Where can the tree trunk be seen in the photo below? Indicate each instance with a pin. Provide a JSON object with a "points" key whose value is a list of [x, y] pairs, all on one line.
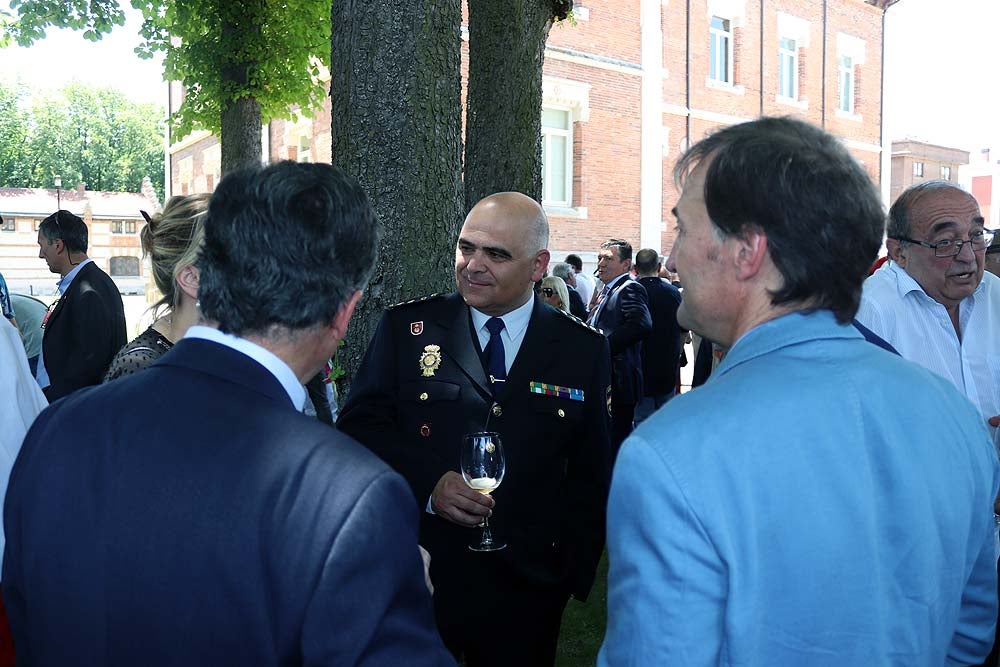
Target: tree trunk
{"points": [[396, 113], [240, 122], [504, 115], [240, 135]]}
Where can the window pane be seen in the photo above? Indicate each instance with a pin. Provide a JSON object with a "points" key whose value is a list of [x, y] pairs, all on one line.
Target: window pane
{"points": [[787, 44], [555, 168], [555, 118], [124, 266]]}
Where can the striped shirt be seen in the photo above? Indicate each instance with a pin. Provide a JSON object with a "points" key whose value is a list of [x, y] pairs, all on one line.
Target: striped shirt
{"points": [[895, 307]]}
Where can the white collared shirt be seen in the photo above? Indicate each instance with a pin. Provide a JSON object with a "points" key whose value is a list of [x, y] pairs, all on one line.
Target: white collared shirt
{"points": [[895, 307], [41, 374], [278, 368], [515, 324]]}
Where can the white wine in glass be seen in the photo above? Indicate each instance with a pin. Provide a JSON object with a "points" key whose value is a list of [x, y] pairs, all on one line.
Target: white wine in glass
{"points": [[482, 469]]}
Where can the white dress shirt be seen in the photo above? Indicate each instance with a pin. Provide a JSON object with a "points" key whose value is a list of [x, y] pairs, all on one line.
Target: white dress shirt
{"points": [[515, 323], [278, 368], [894, 306], [585, 286], [21, 399]]}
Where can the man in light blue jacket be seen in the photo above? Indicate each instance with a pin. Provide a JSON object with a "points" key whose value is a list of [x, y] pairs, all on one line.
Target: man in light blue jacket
{"points": [[819, 501]]}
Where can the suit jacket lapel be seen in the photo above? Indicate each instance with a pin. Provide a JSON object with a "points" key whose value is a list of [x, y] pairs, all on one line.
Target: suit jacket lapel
{"points": [[534, 355], [462, 349], [61, 302]]}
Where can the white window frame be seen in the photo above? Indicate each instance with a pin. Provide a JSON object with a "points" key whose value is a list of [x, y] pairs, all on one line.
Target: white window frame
{"points": [[211, 162], [547, 134], [185, 175], [788, 63], [724, 36], [945, 172], [845, 84], [918, 168]]}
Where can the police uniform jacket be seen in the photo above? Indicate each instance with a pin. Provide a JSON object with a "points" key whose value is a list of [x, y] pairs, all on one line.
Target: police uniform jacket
{"points": [[422, 386]]}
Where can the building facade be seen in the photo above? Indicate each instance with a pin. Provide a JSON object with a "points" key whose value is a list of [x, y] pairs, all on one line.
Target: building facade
{"points": [[917, 161], [981, 177], [630, 84], [113, 221]]}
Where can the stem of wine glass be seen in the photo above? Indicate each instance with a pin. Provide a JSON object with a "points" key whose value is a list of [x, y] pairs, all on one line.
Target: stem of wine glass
{"points": [[487, 535]]}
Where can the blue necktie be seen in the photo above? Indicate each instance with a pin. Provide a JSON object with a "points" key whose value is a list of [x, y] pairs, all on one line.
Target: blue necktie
{"points": [[495, 362]]}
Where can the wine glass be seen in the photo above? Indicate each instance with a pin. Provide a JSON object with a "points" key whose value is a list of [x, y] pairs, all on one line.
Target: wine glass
{"points": [[482, 469]]}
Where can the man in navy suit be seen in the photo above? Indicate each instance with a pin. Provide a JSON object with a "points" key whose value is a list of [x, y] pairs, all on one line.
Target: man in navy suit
{"points": [[190, 514], [86, 326], [661, 352], [621, 311]]}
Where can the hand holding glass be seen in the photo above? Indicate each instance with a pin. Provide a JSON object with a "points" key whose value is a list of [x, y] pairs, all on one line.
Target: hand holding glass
{"points": [[482, 469]]}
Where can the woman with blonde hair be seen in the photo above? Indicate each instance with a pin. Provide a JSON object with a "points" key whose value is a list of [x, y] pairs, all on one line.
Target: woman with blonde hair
{"points": [[172, 240], [554, 292]]}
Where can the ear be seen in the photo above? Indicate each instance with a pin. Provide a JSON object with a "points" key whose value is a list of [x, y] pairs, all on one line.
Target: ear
{"points": [[540, 264], [751, 252], [343, 317], [188, 280], [897, 252]]}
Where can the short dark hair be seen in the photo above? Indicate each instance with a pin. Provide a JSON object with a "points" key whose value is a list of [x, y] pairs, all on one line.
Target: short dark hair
{"points": [[70, 228], [646, 260], [900, 221], [286, 246], [624, 248], [801, 187], [575, 262]]}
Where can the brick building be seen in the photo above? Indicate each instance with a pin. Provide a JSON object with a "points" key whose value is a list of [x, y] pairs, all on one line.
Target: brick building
{"points": [[981, 177], [629, 84], [113, 221], [917, 161]]}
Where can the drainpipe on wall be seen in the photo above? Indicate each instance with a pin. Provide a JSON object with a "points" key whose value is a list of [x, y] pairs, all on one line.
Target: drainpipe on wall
{"points": [[822, 102], [651, 123], [687, 76], [761, 113], [885, 161]]}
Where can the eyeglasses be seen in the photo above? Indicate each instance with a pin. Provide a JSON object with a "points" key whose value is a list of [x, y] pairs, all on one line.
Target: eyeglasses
{"points": [[548, 291], [951, 247]]}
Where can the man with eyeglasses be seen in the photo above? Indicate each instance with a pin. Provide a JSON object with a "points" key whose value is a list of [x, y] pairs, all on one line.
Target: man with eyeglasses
{"points": [[86, 326], [932, 301]]}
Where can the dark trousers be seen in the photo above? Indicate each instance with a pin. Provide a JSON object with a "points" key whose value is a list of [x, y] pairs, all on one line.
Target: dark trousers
{"points": [[622, 416], [489, 617]]}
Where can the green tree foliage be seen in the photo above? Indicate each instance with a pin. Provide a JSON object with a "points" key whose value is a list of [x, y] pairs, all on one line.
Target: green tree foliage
{"points": [[84, 134], [258, 56]]}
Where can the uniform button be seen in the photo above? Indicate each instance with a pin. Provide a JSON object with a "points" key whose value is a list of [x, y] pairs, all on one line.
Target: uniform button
{"points": [[423, 396], [560, 412], [497, 411]]}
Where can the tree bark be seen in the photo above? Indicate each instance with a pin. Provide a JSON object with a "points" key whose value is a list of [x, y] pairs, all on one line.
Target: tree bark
{"points": [[240, 125], [503, 118], [396, 112]]}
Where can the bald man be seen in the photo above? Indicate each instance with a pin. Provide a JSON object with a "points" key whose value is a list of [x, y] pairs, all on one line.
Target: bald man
{"points": [[492, 356]]}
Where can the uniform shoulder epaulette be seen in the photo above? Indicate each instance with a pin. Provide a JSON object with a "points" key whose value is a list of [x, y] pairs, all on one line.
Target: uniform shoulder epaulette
{"points": [[422, 299], [577, 320]]}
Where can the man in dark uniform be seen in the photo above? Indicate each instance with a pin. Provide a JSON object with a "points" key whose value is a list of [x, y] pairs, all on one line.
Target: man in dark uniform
{"points": [[426, 381]]}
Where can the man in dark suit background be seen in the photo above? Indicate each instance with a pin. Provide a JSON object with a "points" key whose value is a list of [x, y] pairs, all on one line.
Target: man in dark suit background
{"points": [[621, 311], [661, 351], [576, 306], [86, 326], [190, 514], [424, 384]]}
